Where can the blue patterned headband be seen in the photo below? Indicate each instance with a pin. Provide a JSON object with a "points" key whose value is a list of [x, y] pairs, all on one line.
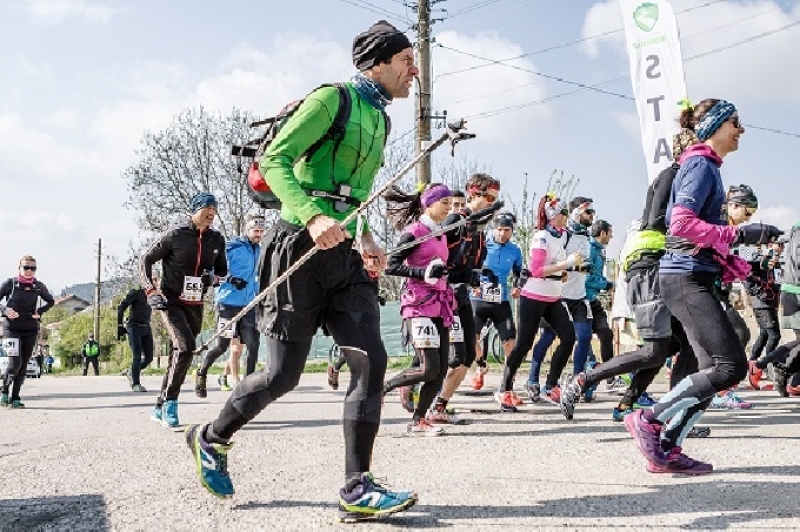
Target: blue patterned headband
{"points": [[713, 120]]}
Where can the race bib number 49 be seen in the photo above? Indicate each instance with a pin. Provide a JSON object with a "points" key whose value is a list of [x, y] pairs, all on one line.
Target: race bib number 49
{"points": [[424, 334], [192, 289], [456, 332]]}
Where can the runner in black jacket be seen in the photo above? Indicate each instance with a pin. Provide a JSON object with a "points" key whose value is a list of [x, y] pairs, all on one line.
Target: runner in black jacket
{"points": [[21, 325], [192, 259], [138, 331]]}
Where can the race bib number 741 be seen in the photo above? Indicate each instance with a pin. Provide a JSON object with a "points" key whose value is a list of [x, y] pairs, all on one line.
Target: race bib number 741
{"points": [[424, 334]]}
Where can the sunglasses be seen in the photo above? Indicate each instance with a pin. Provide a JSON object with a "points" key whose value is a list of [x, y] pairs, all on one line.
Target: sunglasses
{"points": [[564, 212], [589, 211], [489, 197], [736, 122], [29, 268]]}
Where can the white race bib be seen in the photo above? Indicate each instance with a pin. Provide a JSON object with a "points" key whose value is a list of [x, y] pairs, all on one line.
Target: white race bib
{"points": [[491, 294], [11, 346], [424, 334], [192, 289], [227, 333], [456, 332], [778, 275]]}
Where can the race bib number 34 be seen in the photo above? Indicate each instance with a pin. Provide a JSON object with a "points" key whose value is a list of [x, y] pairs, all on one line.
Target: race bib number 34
{"points": [[424, 334], [192, 289], [225, 333], [456, 332]]}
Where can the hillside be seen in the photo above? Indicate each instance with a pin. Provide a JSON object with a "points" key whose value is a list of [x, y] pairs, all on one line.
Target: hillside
{"points": [[85, 291]]}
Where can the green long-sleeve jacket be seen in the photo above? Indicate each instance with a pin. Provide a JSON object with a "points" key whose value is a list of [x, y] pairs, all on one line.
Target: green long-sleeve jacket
{"points": [[356, 161]]}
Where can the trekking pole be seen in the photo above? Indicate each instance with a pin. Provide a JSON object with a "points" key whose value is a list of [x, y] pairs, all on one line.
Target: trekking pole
{"points": [[472, 218], [453, 133]]}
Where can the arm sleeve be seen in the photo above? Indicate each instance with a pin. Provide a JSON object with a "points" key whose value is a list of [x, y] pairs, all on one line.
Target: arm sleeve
{"points": [[5, 288], [538, 258], [685, 223], [396, 265], [454, 235], [47, 297], [123, 305], [160, 249], [516, 268], [221, 263], [306, 126], [657, 208]]}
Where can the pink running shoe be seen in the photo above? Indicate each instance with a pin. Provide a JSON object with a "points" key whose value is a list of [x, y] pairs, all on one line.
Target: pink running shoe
{"points": [[682, 464], [647, 436]]}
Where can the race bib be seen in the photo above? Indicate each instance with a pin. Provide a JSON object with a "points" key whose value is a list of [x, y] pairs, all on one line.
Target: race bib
{"points": [[225, 333], [456, 332], [192, 289], [778, 275], [11, 346], [491, 294], [424, 334]]}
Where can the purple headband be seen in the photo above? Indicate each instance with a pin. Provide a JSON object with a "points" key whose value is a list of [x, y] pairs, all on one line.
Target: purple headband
{"points": [[434, 194]]}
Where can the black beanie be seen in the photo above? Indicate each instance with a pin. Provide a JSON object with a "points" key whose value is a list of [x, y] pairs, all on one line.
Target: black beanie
{"points": [[377, 45]]}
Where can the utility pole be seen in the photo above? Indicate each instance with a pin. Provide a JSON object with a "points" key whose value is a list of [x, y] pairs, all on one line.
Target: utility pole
{"points": [[97, 291], [423, 101]]}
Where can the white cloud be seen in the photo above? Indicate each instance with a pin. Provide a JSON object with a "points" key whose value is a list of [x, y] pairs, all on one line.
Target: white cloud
{"points": [[489, 88], [781, 216], [745, 73], [629, 122], [54, 11]]}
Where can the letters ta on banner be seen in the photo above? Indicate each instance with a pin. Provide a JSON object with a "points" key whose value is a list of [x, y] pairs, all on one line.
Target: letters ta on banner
{"points": [[654, 52]]}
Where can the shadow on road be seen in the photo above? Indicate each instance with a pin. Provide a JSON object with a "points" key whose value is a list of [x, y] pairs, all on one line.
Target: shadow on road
{"points": [[78, 512]]}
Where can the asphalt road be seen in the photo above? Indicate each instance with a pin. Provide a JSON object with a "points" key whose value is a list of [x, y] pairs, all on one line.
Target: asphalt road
{"points": [[83, 455]]}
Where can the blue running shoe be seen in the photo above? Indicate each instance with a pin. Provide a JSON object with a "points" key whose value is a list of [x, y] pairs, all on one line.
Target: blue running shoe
{"points": [[368, 500], [619, 414], [157, 414], [211, 460], [170, 414], [644, 401]]}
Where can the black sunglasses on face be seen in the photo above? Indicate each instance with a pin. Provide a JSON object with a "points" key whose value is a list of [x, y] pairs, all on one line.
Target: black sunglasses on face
{"points": [[29, 268], [735, 121]]}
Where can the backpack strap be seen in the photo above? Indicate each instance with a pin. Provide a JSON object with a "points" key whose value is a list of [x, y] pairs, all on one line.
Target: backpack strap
{"points": [[337, 129]]}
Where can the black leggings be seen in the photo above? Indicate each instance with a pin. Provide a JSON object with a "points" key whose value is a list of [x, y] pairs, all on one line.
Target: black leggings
{"points": [[282, 372], [769, 332], [251, 339], [183, 323], [18, 365], [430, 371], [531, 312], [692, 299]]}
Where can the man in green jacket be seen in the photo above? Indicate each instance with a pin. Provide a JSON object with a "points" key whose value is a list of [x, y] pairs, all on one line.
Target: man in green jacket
{"points": [[333, 288], [91, 355]]}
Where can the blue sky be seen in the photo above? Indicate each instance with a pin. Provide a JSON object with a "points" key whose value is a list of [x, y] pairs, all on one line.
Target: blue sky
{"points": [[81, 80]]}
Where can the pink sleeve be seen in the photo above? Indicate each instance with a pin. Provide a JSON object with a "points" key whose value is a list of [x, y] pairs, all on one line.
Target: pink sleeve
{"points": [[685, 223], [538, 258]]}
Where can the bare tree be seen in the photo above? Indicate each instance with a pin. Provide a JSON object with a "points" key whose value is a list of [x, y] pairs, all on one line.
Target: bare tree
{"points": [[192, 154], [564, 187]]}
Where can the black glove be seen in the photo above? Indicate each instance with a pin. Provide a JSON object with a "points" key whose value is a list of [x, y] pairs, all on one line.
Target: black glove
{"points": [[157, 302], [757, 233], [474, 278], [436, 271], [609, 285], [491, 277], [237, 282], [207, 278], [524, 275], [121, 331]]}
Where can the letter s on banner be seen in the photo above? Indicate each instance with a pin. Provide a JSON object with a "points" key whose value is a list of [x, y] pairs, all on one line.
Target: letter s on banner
{"points": [[654, 52]]}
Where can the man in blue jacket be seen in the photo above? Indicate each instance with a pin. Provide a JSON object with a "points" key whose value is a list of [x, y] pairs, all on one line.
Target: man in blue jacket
{"points": [[232, 296], [596, 282]]}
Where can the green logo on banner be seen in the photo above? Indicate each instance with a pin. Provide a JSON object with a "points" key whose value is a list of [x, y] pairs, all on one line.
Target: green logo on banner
{"points": [[646, 15]]}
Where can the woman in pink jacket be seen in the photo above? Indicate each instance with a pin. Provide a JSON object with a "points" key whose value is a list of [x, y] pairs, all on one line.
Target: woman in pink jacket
{"points": [[426, 303]]}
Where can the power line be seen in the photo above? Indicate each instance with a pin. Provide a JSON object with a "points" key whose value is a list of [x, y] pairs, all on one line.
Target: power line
{"points": [[570, 43], [496, 13], [745, 41], [363, 4], [472, 8]]}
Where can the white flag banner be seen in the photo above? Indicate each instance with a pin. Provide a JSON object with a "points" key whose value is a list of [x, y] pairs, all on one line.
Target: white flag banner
{"points": [[654, 51]]}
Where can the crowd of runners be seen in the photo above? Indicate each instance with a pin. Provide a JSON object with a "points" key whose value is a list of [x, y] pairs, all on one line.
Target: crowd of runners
{"points": [[316, 268]]}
